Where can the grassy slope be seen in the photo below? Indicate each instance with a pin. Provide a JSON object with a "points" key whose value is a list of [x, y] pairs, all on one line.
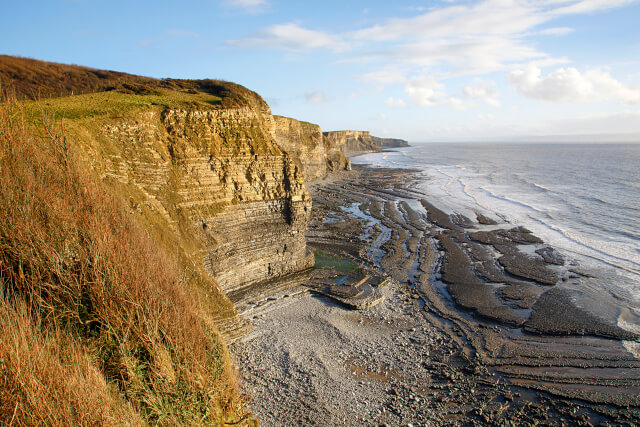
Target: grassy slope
{"points": [[26, 78], [105, 316]]}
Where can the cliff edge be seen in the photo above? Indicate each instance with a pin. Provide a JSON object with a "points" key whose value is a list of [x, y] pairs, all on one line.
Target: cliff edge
{"points": [[354, 141]]}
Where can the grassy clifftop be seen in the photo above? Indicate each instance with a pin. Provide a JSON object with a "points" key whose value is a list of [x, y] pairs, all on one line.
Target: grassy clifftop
{"points": [[34, 79]]}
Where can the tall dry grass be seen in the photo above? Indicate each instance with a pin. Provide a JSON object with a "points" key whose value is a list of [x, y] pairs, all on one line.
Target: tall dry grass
{"points": [[35, 79], [48, 378], [96, 327]]}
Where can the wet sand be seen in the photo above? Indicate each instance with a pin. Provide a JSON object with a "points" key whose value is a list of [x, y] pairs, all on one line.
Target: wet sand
{"points": [[481, 323]]}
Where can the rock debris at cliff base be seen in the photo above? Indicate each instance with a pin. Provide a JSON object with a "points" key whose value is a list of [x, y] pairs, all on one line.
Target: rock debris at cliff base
{"points": [[417, 357]]}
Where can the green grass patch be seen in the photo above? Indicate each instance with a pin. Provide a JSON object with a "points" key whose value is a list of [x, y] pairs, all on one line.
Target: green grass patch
{"points": [[116, 104]]}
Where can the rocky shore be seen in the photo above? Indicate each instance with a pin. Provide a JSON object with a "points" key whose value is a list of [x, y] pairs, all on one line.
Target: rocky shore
{"points": [[476, 323]]}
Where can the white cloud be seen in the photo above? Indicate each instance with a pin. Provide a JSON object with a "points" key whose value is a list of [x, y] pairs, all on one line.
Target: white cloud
{"points": [[425, 91], [486, 117], [384, 77], [484, 91], [588, 6], [556, 31], [473, 55], [317, 97], [291, 37], [570, 85], [395, 103], [453, 38], [489, 17], [457, 103], [251, 6], [473, 37]]}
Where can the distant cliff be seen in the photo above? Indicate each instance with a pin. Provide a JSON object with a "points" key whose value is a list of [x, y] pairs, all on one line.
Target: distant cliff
{"points": [[353, 141], [389, 142], [350, 141], [310, 149]]}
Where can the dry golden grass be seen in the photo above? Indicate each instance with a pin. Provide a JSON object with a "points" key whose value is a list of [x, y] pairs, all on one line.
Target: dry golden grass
{"points": [[34, 79], [48, 379], [96, 326]]}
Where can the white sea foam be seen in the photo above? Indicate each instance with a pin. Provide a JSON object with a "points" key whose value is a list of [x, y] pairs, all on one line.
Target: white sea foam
{"points": [[632, 347], [542, 187]]}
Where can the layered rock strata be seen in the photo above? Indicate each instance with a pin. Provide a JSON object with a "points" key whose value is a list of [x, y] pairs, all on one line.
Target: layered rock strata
{"points": [[353, 141], [335, 157], [312, 152], [389, 142], [217, 179]]}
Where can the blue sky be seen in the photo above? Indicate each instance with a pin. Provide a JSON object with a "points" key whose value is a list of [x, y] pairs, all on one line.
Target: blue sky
{"points": [[440, 70]]}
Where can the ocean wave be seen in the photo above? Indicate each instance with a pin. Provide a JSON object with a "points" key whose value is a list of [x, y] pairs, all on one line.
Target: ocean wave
{"points": [[541, 187], [466, 189], [595, 199], [532, 184], [604, 256], [629, 319], [612, 228], [510, 200], [608, 204], [443, 187]]}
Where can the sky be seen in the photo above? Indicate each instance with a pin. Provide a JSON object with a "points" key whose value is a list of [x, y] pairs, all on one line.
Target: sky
{"points": [[439, 70]]}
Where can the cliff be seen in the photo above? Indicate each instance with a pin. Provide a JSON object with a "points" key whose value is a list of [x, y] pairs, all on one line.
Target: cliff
{"points": [[204, 164], [335, 157], [352, 141], [310, 149], [202, 170], [107, 315], [389, 142], [218, 180], [196, 190], [205, 196]]}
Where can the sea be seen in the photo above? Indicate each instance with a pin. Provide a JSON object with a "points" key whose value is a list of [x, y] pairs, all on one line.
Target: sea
{"points": [[582, 199]]}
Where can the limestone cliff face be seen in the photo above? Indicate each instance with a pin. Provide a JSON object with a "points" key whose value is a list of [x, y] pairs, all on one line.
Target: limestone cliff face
{"points": [[389, 142], [350, 141], [260, 204], [336, 158], [311, 150], [218, 177], [303, 141]]}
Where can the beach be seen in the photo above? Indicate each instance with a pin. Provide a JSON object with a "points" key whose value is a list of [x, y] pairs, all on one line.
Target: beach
{"points": [[474, 325]]}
